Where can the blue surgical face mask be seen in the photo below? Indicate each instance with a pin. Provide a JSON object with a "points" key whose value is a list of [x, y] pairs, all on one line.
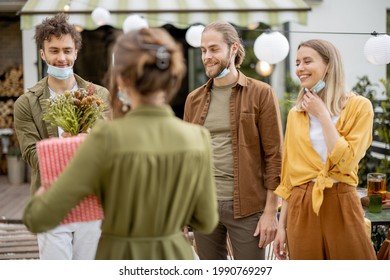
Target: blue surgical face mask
{"points": [[225, 71], [60, 73], [125, 100], [318, 86]]}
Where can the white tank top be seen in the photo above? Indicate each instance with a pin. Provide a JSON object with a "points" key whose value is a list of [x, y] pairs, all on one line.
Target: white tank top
{"points": [[317, 137]]}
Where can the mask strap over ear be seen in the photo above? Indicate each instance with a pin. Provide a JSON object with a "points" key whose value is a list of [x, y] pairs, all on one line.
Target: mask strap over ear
{"points": [[42, 53], [326, 72], [230, 56], [125, 100]]}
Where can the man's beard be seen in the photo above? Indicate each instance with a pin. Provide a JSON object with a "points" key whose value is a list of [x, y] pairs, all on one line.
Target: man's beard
{"points": [[214, 73]]}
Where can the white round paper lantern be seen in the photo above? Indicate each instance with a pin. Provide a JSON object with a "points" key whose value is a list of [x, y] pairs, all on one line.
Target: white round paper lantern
{"points": [[377, 49], [134, 22], [194, 35], [271, 47], [101, 16]]}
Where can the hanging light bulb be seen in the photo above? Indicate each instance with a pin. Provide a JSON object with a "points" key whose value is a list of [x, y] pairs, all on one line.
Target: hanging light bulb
{"points": [[101, 16], [134, 22], [271, 47], [67, 7], [264, 68], [194, 35], [253, 25], [377, 49], [79, 28]]}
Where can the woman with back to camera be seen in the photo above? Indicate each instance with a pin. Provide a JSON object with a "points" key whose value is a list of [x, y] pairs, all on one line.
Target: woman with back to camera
{"points": [[327, 134], [151, 171]]}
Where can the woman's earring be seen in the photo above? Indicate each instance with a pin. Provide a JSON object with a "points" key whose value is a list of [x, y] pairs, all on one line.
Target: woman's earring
{"points": [[125, 100]]}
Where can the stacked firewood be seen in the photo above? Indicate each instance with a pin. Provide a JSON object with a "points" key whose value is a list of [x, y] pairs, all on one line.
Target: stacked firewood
{"points": [[11, 87], [6, 113], [11, 84]]}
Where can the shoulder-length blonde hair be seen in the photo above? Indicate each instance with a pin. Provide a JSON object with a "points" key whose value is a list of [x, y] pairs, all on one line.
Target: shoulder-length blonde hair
{"points": [[334, 94]]}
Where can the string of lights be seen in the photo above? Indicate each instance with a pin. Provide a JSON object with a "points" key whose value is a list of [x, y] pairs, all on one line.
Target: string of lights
{"points": [[104, 13], [374, 33], [271, 46]]}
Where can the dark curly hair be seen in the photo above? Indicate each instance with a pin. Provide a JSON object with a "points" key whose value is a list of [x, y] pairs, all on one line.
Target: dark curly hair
{"points": [[56, 26]]}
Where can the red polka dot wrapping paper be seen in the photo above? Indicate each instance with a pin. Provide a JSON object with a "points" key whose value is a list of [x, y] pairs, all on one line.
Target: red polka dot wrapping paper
{"points": [[54, 154]]}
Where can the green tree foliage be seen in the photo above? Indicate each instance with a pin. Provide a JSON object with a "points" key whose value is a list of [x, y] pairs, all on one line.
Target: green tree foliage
{"points": [[290, 96], [376, 160]]}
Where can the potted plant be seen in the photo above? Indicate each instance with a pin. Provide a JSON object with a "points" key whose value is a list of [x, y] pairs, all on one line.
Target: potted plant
{"points": [[16, 167]]}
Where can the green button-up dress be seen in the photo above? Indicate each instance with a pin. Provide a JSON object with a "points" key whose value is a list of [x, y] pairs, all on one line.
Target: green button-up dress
{"points": [[153, 175]]}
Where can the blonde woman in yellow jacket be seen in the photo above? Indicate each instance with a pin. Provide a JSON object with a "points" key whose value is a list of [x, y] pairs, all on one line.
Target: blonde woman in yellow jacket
{"points": [[327, 134]]}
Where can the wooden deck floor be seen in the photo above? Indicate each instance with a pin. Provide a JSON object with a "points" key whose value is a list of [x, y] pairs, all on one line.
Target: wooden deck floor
{"points": [[16, 242], [12, 199]]}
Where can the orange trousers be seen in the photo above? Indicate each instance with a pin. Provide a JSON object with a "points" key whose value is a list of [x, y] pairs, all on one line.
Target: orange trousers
{"points": [[337, 233]]}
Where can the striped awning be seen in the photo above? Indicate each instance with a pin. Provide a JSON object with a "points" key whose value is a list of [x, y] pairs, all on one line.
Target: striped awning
{"points": [[180, 13]]}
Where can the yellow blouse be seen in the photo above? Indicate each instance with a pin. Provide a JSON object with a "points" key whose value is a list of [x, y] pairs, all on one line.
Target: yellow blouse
{"points": [[302, 164]]}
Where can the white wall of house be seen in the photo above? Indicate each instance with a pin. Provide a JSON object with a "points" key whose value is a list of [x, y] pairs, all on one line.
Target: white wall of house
{"points": [[30, 69], [350, 16]]}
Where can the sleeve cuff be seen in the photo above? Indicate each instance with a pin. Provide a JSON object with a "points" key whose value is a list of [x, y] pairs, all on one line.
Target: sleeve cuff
{"points": [[338, 151], [273, 183], [283, 191]]}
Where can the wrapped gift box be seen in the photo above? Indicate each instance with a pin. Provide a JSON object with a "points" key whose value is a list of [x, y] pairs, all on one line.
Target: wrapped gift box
{"points": [[53, 155]]}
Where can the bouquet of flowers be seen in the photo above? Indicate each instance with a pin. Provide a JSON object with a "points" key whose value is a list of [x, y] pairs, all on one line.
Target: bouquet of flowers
{"points": [[75, 111]]}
